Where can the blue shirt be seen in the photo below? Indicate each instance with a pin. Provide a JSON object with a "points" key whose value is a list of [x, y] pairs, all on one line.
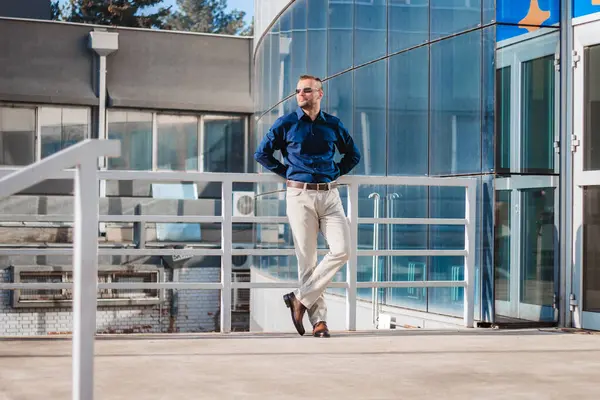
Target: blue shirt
{"points": [[308, 148]]}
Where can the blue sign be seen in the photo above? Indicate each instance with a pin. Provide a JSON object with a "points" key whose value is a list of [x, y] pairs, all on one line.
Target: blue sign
{"points": [[585, 7], [529, 14]]}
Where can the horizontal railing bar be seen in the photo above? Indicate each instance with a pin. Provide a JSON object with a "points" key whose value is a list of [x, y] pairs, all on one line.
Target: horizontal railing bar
{"points": [[234, 285], [163, 285], [114, 218], [278, 285], [128, 285], [218, 219], [268, 252], [413, 221], [35, 286], [405, 180], [11, 251], [189, 176], [110, 252], [64, 174], [416, 253], [411, 284], [208, 219], [260, 220]]}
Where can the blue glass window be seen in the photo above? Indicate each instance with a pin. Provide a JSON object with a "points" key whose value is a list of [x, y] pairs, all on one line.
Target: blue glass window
{"points": [[285, 54], [453, 16], [503, 121], [341, 17], [274, 68], [455, 138], [446, 202], [406, 202], [178, 142], [369, 118], [489, 11], [488, 99], [340, 101], [317, 38], [134, 131], [408, 117], [370, 30], [538, 115], [408, 24], [298, 47]]}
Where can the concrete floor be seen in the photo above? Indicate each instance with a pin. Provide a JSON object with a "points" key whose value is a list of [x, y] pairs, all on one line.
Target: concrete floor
{"points": [[383, 365]]}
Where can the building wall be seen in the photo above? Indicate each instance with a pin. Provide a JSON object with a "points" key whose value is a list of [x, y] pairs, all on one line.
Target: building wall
{"points": [[420, 88], [151, 70], [156, 77], [196, 311], [35, 9]]}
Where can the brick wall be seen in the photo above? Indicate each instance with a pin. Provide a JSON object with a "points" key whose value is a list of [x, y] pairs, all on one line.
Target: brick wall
{"points": [[197, 311]]}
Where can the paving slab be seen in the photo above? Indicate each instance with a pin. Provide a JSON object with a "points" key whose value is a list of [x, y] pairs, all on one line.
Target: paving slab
{"points": [[410, 364]]}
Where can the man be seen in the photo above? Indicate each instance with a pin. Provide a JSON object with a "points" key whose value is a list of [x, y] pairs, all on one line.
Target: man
{"points": [[307, 139]]}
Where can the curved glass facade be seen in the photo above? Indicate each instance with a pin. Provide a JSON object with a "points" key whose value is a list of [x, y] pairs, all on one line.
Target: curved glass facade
{"points": [[433, 88]]}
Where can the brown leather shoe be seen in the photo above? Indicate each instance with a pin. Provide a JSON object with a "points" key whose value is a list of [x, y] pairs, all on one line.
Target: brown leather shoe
{"points": [[320, 329], [297, 309]]}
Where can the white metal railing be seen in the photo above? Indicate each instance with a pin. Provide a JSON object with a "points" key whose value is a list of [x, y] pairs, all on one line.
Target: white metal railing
{"points": [[86, 249]]}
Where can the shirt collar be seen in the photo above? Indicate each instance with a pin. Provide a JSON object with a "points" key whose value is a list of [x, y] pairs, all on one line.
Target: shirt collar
{"points": [[300, 113]]}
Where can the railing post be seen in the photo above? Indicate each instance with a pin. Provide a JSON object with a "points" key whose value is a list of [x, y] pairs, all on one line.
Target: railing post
{"points": [[470, 240], [85, 277], [226, 246], [352, 265]]}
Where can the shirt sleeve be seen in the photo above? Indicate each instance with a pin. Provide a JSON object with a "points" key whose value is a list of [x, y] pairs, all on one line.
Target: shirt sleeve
{"points": [[346, 147], [272, 141]]}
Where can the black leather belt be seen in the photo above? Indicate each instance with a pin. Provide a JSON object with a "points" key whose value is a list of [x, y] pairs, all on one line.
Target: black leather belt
{"points": [[312, 186]]}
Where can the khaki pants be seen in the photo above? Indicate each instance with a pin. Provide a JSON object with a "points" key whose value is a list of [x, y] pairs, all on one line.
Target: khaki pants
{"points": [[311, 211]]}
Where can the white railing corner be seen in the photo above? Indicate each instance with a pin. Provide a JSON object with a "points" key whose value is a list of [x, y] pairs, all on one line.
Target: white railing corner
{"points": [[85, 248]]}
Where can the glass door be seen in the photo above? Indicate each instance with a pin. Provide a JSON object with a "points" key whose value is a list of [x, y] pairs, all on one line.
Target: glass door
{"points": [[526, 246], [586, 191], [526, 185]]}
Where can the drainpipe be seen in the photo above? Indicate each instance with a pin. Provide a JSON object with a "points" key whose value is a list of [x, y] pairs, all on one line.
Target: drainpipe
{"points": [[103, 43]]}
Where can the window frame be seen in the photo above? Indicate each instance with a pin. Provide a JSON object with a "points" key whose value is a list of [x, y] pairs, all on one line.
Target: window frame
{"points": [[514, 53], [37, 136], [201, 134]]}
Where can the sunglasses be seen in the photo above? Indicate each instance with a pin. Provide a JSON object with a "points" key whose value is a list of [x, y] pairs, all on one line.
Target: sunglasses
{"points": [[305, 90]]}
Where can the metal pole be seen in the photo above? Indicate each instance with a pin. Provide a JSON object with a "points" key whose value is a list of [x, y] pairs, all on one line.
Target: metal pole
{"points": [[375, 268], [226, 246], [85, 277], [566, 166], [469, 290], [353, 258], [389, 270]]}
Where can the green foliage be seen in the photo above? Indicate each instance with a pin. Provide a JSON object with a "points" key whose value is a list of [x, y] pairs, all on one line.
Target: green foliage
{"points": [[116, 12], [207, 16]]}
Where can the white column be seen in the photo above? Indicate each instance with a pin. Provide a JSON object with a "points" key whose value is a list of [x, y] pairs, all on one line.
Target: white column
{"points": [[226, 246], [85, 273], [470, 240]]}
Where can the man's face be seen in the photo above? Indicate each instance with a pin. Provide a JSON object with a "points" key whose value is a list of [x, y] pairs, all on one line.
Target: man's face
{"points": [[308, 93]]}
